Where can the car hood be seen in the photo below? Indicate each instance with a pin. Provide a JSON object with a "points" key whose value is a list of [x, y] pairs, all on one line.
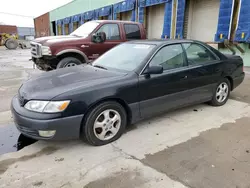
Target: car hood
{"points": [[51, 84], [56, 39]]}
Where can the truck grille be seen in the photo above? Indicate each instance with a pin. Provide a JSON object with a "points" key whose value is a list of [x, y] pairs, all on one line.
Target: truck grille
{"points": [[36, 50]]}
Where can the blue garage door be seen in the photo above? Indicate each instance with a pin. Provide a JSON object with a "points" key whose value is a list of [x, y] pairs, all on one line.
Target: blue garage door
{"points": [[224, 20], [243, 29]]}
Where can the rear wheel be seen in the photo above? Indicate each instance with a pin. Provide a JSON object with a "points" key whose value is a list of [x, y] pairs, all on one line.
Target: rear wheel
{"points": [[104, 124], [68, 62], [221, 94]]}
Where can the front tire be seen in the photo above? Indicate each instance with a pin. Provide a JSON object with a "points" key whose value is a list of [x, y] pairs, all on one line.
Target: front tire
{"points": [[104, 124], [222, 93], [68, 62]]}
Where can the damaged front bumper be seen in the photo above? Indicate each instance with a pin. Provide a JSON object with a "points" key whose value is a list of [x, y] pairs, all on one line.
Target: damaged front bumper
{"points": [[45, 63]]}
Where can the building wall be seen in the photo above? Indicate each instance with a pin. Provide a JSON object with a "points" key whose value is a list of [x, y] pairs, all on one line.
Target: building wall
{"points": [[10, 29], [77, 7], [25, 31], [42, 25]]}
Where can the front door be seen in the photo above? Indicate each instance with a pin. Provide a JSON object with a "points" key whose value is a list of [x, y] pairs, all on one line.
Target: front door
{"points": [[161, 92], [113, 38]]}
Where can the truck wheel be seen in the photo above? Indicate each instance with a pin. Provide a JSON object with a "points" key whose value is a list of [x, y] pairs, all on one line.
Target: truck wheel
{"points": [[11, 44], [68, 62]]}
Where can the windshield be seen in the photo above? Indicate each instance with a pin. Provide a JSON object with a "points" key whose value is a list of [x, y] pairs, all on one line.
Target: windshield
{"points": [[125, 57], [85, 29]]}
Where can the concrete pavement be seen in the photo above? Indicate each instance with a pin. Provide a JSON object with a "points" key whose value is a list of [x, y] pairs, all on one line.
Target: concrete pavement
{"points": [[199, 146]]}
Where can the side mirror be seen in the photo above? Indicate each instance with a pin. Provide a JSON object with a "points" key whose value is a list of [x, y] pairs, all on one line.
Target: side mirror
{"points": [[154, 70], [99, 37]]}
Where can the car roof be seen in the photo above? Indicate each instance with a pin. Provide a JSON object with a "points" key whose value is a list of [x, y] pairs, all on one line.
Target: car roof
{"points": [[115, 21], [159, 42]]}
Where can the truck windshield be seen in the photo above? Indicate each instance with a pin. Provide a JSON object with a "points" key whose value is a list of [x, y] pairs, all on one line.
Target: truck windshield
{"points": [[85, 29], [125, 57]]}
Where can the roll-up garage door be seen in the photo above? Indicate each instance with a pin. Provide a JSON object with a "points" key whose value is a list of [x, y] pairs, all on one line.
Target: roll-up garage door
{"points": [[155, 19], [66, 29], [126, 15], [203, 19], [59, 30], [75, 25]]}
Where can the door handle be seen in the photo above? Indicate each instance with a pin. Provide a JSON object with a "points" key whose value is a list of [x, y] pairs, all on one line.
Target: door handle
{"points": [[184, 77], [217, 70], [84, 46]]}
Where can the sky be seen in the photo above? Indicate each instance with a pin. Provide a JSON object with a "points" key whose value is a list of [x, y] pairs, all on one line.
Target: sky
{"points": [[22, 12]]}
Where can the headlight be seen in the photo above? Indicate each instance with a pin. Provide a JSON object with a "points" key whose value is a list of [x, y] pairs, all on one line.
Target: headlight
{"points": [[46, 50], [47, 106], [56, 106], [37, 106]]}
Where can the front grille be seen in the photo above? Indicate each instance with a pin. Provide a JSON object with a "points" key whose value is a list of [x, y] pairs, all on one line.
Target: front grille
{"points": [[28, 131], [36, 49]]}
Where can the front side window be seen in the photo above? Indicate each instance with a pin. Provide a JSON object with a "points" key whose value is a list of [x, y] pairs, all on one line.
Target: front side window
{"points": [[169, 57], [132, 31], [111, 30], [197, 54]]}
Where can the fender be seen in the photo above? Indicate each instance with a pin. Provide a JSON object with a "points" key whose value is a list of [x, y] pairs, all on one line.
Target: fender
{"points": [[74, 51]]}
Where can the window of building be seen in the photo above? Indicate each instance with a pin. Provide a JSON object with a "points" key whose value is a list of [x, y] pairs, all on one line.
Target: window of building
{"points": [[132, 31]]}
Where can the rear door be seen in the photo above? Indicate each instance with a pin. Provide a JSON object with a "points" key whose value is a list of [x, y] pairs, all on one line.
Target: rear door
{"points": [[204, 71], [132, 32]]}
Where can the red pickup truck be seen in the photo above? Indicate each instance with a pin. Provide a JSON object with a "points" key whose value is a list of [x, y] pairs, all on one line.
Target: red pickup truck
{"points": [[85, 44]]}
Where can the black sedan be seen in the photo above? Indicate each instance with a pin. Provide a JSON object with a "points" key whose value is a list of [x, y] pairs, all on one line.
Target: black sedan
{"points": [[130, 82]]}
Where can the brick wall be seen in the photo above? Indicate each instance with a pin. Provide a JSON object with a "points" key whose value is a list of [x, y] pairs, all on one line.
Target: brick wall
{"points": [[42, 25]]}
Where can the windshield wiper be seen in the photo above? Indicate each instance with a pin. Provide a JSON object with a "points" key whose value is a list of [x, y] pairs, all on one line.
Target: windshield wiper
{"points": [[101, 67]]}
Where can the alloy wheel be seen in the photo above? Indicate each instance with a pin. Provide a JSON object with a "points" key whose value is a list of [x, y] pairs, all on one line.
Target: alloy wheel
{"points": [[107, 124], [222, 92]]}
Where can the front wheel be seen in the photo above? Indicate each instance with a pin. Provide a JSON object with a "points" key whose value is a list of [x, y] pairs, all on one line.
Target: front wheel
{"points": [[104, 124], [221, 94], [68, 62]]}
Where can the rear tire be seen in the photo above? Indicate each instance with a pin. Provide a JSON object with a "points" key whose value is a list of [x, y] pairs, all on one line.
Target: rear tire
{"points": [[104, 124], [221, 93], [68, 62]]}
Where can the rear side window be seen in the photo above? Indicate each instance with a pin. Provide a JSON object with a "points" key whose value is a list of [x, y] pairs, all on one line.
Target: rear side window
{"points": [[197, 54], [132, 31]]}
